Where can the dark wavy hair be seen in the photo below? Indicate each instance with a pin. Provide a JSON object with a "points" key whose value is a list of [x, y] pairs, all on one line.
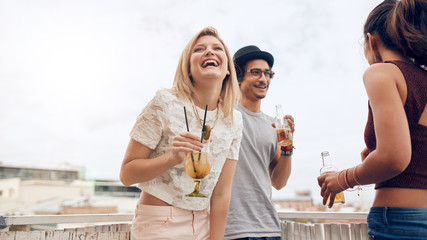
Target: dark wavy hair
{"points": [[401, 26]]}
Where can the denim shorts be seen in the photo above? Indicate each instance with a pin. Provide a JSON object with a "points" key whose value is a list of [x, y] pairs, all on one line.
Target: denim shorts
{"points": [[397, 223]]}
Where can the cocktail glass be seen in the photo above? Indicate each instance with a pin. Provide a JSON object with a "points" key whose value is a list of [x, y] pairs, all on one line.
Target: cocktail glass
{"points": [[198, 166]]}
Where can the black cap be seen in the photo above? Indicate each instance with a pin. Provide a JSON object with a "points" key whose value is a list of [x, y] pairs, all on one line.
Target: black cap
{"points": [[248, 53]]}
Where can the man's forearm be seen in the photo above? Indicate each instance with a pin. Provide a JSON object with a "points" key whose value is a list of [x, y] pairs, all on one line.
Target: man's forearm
{"points": [[281, 172]]}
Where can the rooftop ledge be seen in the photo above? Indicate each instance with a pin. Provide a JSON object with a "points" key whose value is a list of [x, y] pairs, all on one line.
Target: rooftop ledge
{"points": [[127, 217], [335, 225]]}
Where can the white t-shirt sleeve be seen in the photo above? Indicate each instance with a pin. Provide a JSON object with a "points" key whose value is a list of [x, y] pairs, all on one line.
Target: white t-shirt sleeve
{"points": [[149, 123], [235, 144]]}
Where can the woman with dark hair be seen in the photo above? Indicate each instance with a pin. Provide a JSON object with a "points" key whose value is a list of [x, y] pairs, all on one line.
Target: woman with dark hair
{"points": [[395, 157], [160, 142]]}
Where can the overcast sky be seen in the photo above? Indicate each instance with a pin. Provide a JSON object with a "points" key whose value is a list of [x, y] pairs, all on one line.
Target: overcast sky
{"points": [[75, 74]]}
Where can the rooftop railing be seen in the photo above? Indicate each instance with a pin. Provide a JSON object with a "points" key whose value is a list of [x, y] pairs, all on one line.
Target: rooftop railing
{"points": [[295, 226]]}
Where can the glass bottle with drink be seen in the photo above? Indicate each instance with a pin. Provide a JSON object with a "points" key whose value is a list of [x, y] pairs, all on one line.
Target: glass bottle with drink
{"points": [[327, 168], [283, 129]]}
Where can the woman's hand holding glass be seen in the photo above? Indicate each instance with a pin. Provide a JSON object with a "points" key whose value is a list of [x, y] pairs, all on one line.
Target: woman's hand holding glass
{"points": [[185, 143], [198, 166]]}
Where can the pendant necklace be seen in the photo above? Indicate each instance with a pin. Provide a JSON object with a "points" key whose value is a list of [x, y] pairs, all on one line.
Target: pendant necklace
{"points": [[198, 117]]}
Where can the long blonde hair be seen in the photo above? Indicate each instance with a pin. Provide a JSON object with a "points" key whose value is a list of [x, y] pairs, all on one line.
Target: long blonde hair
{"points": [[183, 85]]}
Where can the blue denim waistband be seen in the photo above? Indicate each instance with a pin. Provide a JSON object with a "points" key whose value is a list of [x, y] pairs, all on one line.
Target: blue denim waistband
{"points": [[391, 211], [397, 223]]}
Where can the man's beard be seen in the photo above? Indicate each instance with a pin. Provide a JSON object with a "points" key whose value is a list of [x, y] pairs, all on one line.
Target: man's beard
{"points": [[260, 97]]}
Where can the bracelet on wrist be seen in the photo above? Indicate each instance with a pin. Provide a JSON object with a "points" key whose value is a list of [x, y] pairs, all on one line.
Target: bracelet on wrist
{"points": [[287, 153], [338, 181], [355, 176], [346, 178], [287, 150]]}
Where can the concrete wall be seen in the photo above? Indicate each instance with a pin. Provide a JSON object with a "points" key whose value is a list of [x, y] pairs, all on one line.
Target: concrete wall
{"points": [[40, 196], [9, 188]]}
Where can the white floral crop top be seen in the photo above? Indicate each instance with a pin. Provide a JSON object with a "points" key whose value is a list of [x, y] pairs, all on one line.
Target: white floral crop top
{"points": [[159, 122]]}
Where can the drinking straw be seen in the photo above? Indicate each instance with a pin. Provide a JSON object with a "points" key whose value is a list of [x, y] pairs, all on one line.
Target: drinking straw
{"points": [[191, 154], [203, 126], [186, 121], [204, 121]]}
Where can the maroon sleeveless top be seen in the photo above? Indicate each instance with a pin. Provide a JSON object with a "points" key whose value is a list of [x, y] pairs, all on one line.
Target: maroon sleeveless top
{"points": [[415, 175]]}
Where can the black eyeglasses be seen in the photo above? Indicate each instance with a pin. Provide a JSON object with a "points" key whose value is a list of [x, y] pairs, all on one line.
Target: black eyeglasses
{"points": [[256, 72]]}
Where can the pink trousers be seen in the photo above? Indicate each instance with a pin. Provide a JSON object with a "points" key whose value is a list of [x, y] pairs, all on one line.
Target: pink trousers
{"points": [[168, 222]]}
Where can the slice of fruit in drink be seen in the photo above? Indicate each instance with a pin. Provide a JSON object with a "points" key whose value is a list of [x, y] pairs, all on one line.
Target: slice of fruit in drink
{"points": [[206, 132]]}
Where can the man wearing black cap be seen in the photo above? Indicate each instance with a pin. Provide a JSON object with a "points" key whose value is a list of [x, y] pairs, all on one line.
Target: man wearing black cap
{"points": [[261, 162]]}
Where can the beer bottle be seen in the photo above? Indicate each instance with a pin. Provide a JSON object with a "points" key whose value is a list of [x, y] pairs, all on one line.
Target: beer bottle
{"points": [[283, 130], [327, 168]]}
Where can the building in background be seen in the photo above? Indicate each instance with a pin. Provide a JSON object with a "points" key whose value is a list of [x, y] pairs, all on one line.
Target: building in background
{"points": [[115, 188], [64, 172], [61, 190]]}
